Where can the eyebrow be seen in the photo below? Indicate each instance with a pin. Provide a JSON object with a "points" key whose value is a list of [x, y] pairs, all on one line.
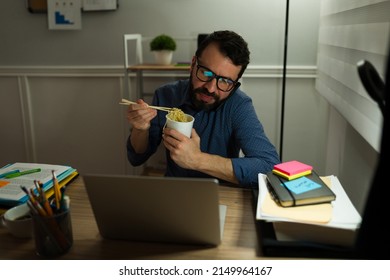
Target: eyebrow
{"points": [[215, 73]]}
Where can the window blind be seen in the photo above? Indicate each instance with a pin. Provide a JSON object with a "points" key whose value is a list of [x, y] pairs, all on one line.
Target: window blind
{"points": [[351, 31]]}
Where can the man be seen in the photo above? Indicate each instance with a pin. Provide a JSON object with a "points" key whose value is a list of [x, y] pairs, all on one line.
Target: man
{"points": [[225, 119]]}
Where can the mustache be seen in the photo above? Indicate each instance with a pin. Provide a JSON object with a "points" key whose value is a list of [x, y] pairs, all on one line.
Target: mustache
{"points": [[205, 92]]}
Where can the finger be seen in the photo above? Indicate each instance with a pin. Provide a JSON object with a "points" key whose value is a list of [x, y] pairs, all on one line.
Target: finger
{"points": [[174, 134], [141, 111], [137, 117], [168, 142], [142, 103], [139, 105], [194, 134], [141, 118]]}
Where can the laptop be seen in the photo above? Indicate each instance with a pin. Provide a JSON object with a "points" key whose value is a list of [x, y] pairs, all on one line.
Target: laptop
{"points": [[156, 209]]}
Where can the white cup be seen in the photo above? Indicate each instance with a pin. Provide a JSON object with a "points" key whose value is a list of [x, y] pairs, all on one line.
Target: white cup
{"points": [[183, 127], [18, 221]]}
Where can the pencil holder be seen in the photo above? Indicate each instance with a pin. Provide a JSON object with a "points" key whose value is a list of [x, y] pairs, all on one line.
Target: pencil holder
{"points": [[53, 234]]}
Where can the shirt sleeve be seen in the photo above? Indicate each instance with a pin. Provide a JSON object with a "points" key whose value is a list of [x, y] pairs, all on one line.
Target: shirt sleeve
{"points": [[155, 135], [134, 158], [259, 154]]}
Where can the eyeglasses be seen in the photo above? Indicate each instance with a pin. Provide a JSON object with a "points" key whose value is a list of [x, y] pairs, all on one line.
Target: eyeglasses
{"points": [[204, 74]]}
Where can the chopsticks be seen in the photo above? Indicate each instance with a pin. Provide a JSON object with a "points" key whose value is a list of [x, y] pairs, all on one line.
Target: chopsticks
{"points": [[127, 102]]}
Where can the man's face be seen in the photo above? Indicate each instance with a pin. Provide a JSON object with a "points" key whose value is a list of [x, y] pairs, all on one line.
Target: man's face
{"points": [[213, 68]]}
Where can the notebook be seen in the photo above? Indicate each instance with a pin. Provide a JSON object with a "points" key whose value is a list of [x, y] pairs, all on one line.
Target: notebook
{"points": [[306, 190], [156, 209]]}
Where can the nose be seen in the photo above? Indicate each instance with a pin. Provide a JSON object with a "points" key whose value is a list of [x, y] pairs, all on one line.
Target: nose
{"points": [[212, 85]]}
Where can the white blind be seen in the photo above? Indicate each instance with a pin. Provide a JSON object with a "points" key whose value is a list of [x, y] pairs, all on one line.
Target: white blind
{"points": [[351, 31]]}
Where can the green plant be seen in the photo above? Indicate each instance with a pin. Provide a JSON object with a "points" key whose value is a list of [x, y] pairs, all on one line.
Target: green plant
{"points": [[163, 42]]}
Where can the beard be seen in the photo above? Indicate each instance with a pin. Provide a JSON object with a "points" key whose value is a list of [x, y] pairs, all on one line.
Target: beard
{"points": [[199, 104]]}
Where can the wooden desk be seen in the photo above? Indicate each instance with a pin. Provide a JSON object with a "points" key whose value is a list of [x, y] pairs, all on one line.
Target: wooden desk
{"points": [[139, 69], [239, 239]]}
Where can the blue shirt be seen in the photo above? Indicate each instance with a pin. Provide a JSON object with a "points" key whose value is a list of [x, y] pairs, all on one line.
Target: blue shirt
{"points": [[231, 127]]}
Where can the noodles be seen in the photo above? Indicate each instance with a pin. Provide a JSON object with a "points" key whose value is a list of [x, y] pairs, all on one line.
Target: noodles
{"points": [[177, 115]]}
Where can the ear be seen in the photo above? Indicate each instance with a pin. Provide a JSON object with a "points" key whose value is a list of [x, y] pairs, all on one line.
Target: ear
{"points": [[193, 62]]}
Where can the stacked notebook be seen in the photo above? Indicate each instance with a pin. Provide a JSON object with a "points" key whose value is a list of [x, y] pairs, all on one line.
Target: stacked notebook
{"points": [[294, 183], [298, 214], [306, 229], [15, 175]]}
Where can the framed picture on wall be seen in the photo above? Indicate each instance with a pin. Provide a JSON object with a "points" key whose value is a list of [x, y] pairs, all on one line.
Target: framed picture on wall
{"points": [[37, 6], [40, 6]]}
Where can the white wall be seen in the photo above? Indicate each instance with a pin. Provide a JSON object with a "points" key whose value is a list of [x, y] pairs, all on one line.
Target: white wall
{"points": [[27, 40]]}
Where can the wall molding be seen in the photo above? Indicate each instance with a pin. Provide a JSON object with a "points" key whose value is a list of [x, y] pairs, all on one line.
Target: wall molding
{"points": [[253, 71]]}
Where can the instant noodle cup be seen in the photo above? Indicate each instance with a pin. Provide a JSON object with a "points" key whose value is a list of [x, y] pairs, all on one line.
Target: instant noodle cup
{"points": [[184, 126]]}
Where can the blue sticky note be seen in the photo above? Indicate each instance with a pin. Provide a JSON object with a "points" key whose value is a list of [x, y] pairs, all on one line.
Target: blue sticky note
{"points": [[301, 185]]}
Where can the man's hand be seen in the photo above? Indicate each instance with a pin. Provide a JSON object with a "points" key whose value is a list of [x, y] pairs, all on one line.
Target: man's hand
{"points": [[184, 151], [139, 115], [187, 154]]}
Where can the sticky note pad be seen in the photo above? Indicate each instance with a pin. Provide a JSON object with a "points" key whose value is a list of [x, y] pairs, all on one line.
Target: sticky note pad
{"points": [[292, 167], [301, 185]]}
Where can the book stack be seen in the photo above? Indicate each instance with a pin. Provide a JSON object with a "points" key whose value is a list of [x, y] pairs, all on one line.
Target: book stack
{"points": [[333, 223], [298, 213], [294, 183], [15, 175]]}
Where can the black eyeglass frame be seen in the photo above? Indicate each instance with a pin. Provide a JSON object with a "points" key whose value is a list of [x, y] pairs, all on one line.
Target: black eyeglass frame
{"points": [[215, 76]]}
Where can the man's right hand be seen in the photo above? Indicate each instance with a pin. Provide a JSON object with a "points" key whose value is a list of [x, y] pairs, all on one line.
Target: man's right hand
{"points": [[139, 115]]}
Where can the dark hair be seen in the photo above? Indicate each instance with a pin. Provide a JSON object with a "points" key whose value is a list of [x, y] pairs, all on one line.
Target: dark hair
{"points": [[230, 44]]}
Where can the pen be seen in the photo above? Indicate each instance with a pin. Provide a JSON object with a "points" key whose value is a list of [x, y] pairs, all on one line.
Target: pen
{"points": [[45, 203], [31, 197], [36, 184], [9, 173], [17, 174], [40, 209], [57, 192], [32, 194]]}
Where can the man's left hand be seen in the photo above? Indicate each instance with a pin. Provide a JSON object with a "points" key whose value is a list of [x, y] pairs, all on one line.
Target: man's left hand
{"points": [[184, 151]]}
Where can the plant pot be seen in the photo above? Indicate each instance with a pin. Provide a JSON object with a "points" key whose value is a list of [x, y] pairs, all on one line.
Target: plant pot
{"points": [[163, 57]]}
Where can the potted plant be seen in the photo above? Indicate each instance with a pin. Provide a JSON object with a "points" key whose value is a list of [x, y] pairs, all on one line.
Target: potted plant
{"points": [[163, 47]]}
